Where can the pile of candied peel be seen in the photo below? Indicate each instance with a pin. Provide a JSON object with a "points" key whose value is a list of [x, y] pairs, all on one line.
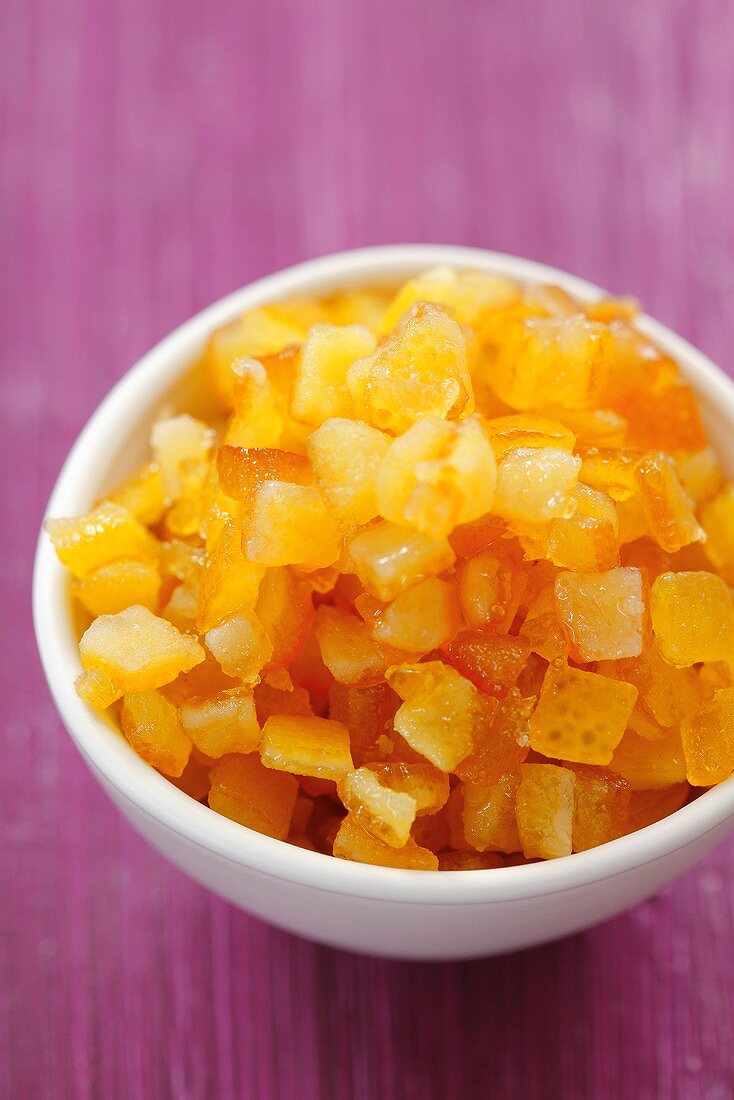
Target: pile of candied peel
{"points": [[445, 586]]}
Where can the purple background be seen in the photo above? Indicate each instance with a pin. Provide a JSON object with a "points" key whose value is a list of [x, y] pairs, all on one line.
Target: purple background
{"points": [[156, 154]]}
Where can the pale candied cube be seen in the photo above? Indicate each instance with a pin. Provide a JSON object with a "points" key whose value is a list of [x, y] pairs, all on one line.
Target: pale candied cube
{"points": [[152, 726], [253, 795], [290, 525], [426, 784], [700, 474], [670, 517], [603, 613], [228, 580], [320, 389], [647, 807], [581, 716], [692, 617], [586, 541], [489, 814], [491, 586], [143, 494], [419, 370], [533, 484], [242, 469], [437, 475], [551, 361], [708, 740], [96, 689], [601, 807], [669, 694], [420, 619], [240, 645], [544, 810], [466, 294], [176, 441], [528, 430], [117, 584], [442, 711], [259, 418], [108, 532], [386, 814], [285, 610], [223, 723], [181, 609], [648, 765], [306, 746], [717, 519], [137, 650], [355, 843], [256, 333], [345, 456], [388, 558], [348, 649]]}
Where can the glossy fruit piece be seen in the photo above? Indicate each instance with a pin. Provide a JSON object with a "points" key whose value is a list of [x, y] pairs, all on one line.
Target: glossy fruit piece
{"points": [[533, 485], [420, 619], [467, 295], [290, 525], [670, 517], [96, 689], [246, 791], [592, 427], [222, 723], [580, 716], [228, 580], [469, 538], [601, 807], [272, 700], [389, 559], [367, 713], [349, 651], [502, 744], [143, 494], [175, 442], [286, 612], [320, 387], [118, 584], [384, 813], [649, 765], [508, 433], [668, 693], [491, 587], [611, 471], [240, 646], [488, 814], [700, 475], [544, 810], [306, 746], [692, 617], [345, 455], [242, 469], [717, 519], [542, 627], [426, 785], [152, 726], [602, 613], [355, 843], [257, 333], [493, 662], [107, 532], [260, 418], [137, 650], [708, 740], [586, 541]]}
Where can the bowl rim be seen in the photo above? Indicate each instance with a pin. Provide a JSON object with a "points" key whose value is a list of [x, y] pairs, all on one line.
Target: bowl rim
{"points": [[118, 766]]}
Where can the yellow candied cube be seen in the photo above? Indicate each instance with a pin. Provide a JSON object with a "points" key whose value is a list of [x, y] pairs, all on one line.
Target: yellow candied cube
{"points": [[96, 689], [467, 295], [551, 361], [580, 716], [355, 843], [670, 517], [118, 584], [290, 525], [436, 476], [242, 469], [442, 712], [228, 580], [345, 455], [240, 645], [489, 814], [175, 442], [586, 542], [669, 694], [700, 474], [306, 746], [143, 494], [152, 726], [503, 744], [708, 740], [491, 586], [367, 713], [542, 627], [601, 807], [388, 558], [592, 427], [544, 810], [386, 814], [253, 795], [257, 333], [612, 471], [137, 650], [109, 531], [603, 613], [259, 419], [528, 430], [426, 785], [533, 485], [222, 723], [647, 765], [419, 370], [348, 649], [420, 619], [692, 617], [320, 388], [717, 519]]}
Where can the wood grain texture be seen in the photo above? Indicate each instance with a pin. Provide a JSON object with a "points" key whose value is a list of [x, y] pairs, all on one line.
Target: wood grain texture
{"points": [[155, 154]]}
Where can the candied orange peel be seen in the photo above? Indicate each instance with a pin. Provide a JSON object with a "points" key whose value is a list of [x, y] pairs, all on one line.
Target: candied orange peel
{"points": [[444, 585]]}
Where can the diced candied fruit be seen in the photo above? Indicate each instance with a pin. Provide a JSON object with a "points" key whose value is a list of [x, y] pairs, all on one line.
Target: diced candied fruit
{"points": [[502, 744], [174, 442], [527, 430], [692, 617], [671, 519], [426, 784], [420, 619], [669, 694], [108, 532], [385, 813], [222, 723], [542, 628], [117, 584], [272, 700], [259, 418], [419, 370], [491, 586], [493, 662], [437, 475], [489, 814], [346, 455], [717, 519], [228, 580], [320, 389], [467, 295], [240, 646], [544, 810], [647, 765], [246, 791], [592, 427], [708, 740], [306, 746], [647, 807], [143, 494], [137, 650], [442, 711], [256, 333], [355, 843], [367, 713], [96, 689], [285, 610], [585, 541], [469, 538], [580, 716], [349, 651], [533, 484], [388, 558], [601, 807], [242, 469], [611, 471], [290, 525], [700, 474], [153, 727], [603, 613]]}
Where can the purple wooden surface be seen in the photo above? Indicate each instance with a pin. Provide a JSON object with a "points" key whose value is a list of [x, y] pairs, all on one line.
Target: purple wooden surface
{"points": [[157, 153]]}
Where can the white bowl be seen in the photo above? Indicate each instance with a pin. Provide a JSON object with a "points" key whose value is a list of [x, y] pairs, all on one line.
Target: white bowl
{"points": [[405, 914]]}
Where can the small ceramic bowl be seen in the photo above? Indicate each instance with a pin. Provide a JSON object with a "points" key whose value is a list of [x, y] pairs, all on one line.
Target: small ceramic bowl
{"points": [[405, 914]]}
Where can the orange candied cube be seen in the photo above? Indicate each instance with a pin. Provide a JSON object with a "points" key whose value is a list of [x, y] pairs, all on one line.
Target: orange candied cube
{"points": [[426, 785], [143, 494], [242, 469], [493, 662], [489, 814], [542, 628], [601, 807], [348, 649], [228, 580], [240, 646], [249, 793], [320, 388], [108, 532], [275, 700], [222, 723], [290, 525], [544, 361], [611, 471], [502, 744], [544, 810], [647, 765], [466, 295], [306, 746], [355, 843], [388, 558], [580, 716], [96, 689], [717, 519], [437, 475], [669, 694], [285, 609], [442, 711], [256, 333], [175, 442], [533, 485], [708, 740], [603, 613], [700, 474], [152, 726], [491, 586], [420, 619], [260, 417], [118, 584], [366, 712], [647, 807], [692, 617], [670, 517], [585, 541], [137, 650], [385, 813], [469, 538], [592, 427], [419, 370], [508, 433], [346, 455]]}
